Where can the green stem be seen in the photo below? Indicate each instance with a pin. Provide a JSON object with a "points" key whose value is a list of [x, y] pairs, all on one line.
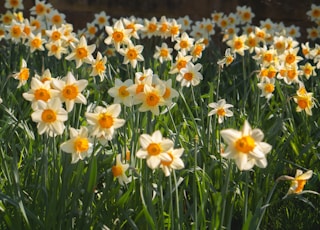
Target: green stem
{"points": [[246, 191], [195, 195], [195, 101], [177, 199], [172, 222], [264, 208], [224, 194]]}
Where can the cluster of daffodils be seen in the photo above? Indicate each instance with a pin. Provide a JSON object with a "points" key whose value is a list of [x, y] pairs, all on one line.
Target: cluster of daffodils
{"points": [[280, 59], [182, 43], [159, 152], [52, 99], [148, 91], [47, 96], [182, 56]]}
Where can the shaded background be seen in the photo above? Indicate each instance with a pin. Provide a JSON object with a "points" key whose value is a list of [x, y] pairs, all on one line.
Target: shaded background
{"points": [[79, 12]]}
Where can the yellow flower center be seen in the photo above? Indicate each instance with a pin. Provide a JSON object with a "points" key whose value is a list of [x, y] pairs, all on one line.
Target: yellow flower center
{"points": [[283, 72], [81, 144], [181, 64], [132, 54], [117, 170], [152, 99], [188, 76], [54, 48], [314, 34], [40, 9], [152, 27], [223, 23], [154, 149], [269, 88], [92, 30], [246, 16], [264, 72], [238, 44], [70, 92], [14, 3], [197, 50], [261, 34], [221, 112], [100, 67], [245, 144], [268, 57], [123, 92], [303, 102], [56, 19], [307, 70], [131, 27], [36, 43], [42, 94], [271, 72], [290, 58], [229, 60], [48, 116], [36, 24], [16, 31], [27, 30], [279, 45], [105, 120], [168, 163], [174, 30], [101, 20], [301, 184], [209, 28], [55, 35], [183, 44], [252, 42], [163, 28], [164, 52], [140, 88], [81, 52], [291, 73], [167, 93], [316, 13], [24, 74], [117, 36]]}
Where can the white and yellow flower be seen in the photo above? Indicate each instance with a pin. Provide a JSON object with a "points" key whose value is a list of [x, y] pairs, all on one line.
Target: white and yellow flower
{"points": [[50, 117], [23, 75], [70, 90], [82, 53], [120, 92], [117, 35], [104, 121], [132, 54], [246, 147], [298, 181], [79, 144], [152, 98], [190, 75], [154, 149], [174, 164], [119, 171], [39, 91], [99, 66], [221, 108]]}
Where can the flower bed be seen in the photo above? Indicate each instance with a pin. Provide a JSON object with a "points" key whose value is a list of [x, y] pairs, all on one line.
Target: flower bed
{"points": [[143, 123]]}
